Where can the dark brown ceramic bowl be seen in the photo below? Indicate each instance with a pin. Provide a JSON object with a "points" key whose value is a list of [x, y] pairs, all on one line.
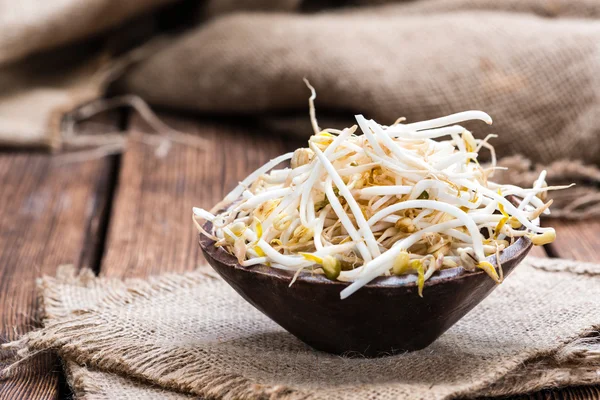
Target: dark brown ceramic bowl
{"points": [[382, 318]]}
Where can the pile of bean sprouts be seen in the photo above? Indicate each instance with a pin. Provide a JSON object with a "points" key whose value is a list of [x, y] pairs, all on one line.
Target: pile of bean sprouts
{"points": [[406, 199]]}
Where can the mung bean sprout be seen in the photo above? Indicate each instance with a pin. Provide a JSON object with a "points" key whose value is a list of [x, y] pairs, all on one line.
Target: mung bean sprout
{"points": [[405, 199]]}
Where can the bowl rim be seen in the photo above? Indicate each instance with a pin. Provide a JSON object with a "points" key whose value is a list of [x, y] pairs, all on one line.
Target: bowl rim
{"points": [[518, 249]]}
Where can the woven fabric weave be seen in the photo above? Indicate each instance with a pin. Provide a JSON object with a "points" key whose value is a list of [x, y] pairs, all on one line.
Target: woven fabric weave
{"points": [[537, 76], [191, 334]]}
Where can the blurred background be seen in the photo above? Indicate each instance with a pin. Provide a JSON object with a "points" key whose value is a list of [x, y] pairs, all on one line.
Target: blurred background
{"points": [[533, 65]]}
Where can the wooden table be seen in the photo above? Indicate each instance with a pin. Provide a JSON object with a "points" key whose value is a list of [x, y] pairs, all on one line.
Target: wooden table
{"points": [[129, 216]]}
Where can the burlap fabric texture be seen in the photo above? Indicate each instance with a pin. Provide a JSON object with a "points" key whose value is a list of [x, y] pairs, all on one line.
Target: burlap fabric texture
{"points": [[533, 65], [175, 336], [39, 82]]}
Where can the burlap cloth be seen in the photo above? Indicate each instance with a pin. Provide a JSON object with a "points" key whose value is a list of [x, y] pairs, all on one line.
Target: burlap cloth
{"points": [[534, 65], [175, 336], [41, 82], [538, 77]]}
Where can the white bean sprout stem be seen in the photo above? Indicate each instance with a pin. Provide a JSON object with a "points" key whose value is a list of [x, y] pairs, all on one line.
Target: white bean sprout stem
{"points": [[408, 199]]}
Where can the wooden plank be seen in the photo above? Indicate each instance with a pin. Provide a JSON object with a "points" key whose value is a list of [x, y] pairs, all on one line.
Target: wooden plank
{"points": [[52, 213], [151, 228], [47, 208], [577, 240]]}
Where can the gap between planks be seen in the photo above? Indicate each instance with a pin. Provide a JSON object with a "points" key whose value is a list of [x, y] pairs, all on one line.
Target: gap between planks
{"points": [[46, 208]]}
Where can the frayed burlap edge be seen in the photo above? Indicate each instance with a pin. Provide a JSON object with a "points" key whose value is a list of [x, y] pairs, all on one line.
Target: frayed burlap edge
{"points": [[88, 384], [212, 385], [540, 374], [577, 362]]}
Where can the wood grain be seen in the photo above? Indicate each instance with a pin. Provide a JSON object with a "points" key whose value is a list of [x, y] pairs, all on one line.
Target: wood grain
{"points": [[151, 228], [577, 240], [45, 222], [52, 214]]}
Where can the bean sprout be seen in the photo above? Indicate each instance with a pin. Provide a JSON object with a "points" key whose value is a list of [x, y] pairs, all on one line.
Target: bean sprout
{"points": [[395, 200]]}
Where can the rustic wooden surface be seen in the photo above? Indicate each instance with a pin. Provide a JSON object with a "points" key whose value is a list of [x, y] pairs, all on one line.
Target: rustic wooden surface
{"points": [[130, 216], [52, 213], [151, 222], [578, 240], [45, 221]]}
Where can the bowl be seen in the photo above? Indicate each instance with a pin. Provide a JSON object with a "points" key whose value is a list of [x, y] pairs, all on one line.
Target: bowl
{"points": [[385, 317]]}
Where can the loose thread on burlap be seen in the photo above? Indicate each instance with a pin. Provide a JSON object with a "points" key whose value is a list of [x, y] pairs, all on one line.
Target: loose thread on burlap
{"points": [[585, 349], [98, 146], [575, 203], [23, 356]]}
